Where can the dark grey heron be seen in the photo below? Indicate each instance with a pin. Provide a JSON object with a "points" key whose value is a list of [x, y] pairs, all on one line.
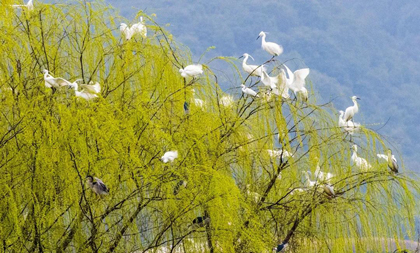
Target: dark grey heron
{"points": [[280, 247], [200, 221], [97, 186]]}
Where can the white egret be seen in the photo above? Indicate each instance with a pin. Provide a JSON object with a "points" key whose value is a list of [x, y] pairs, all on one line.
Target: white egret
{"points": [[29, 5], [198, 102], [281, 92], [267, 95], [98, 187], [248, 91], [359, 161], [322, 176], [55, 82], [92, 88], [268, 80], [255, 196], [169, 156], [296, 81], [392, 161], [272, 48], [329, 190], [226, 101], [274, 82], [129, 32], [191, 70], [348, 126], [82, 94], [282, 87], [287, 81], [252, 70], [279, 153], [351, 110], [308, 182]]}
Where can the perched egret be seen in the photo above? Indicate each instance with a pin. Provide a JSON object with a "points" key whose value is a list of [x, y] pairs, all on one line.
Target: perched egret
{"points": [[272, 48], [92, 88], [191, 70], [351, 110], [308, 182], [83, 93], [359, 161], [55, 82], [288, 81], [226, 101], [169, 156], [278, 88], [252, 70], [177, 187], [267, 95], [29, 5], [282, 86], [322, 176], [392, 161], [329, 190], [282, 92], [280, 247], [319, 175], [129, 32], [279, 153], [198, 102], [268, 80], [348, 126], [255, 196], [248, 91], [296, 81], [98, 187], [201, 221]]}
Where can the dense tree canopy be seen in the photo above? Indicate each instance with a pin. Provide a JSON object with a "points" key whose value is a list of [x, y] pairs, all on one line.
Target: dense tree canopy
{"points": [[224, 191]]}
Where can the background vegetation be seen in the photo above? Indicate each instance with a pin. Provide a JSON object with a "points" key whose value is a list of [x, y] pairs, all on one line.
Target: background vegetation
{"points": [[50, 141]]}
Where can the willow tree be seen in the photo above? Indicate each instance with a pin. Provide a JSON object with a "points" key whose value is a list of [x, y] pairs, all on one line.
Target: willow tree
{"points": [[51, 140]]}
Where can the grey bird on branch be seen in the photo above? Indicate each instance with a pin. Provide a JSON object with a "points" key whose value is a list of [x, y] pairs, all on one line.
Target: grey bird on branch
{"points": [[280, 247], [97, 186], [200, 221], [177, 187], [392, 161]]}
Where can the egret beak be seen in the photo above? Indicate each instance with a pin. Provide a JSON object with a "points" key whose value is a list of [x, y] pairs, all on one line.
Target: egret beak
{"points": [[240, 57], [258, 37], [358, 98]]}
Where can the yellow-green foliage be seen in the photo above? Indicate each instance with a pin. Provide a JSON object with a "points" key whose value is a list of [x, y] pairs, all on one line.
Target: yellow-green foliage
{"points": [[50, 141]]}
